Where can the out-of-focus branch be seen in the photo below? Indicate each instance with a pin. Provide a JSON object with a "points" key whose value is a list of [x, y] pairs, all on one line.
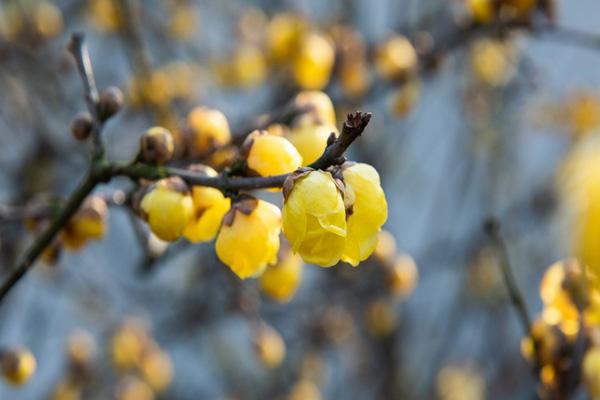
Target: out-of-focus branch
{"points": [[492, 229], [80, 53]]}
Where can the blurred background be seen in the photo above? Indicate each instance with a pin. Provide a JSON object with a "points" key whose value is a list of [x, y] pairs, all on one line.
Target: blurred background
{"points": [[479, 128]]}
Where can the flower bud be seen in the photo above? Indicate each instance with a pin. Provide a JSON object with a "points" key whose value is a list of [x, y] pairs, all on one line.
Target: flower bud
{"points": [[402, 276], [282, 36], [127, 344], [268, 155], [82, 125], [81, 348], [481, 11], [320, 110], [88, 223], [367, 213], [281, 280], [168, 208], [18, 365], [249, 237], [314, 217], [310, 140], [396, 59], [304, 389], [313, 64], [157, 369], [157, 145], [380, 318], [210, 205], [110, 102], [209, 129], [269, 346]]}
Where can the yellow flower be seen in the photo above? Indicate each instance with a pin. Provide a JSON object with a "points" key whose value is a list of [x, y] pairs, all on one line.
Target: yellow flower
{"points": [[591, 371], [127, 344], [132, 388], [579, 188], [269, 346], [481, 11], [105, 15], [492, 61], [282, 36], [270, 155], [47, 19], [321, 108], [396, 58], [402, 276], [89, 223], [314, 218], [249, 237], [518, 8], [367, 214], [157, 369], [314, 62], [210, 205], [248, 66], [18, 365], [168, 208], [280, 281], [209, 129], [310, 140]]}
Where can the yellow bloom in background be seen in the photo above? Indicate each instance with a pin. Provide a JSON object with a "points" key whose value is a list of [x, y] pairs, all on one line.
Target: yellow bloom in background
{"points": [[127, 344], [455, 382], [249, 237], [269, 346], [405, 97], [313, 63], [591, 371], [157, 369], [402, 276], [281, 280], [582, 113], [270, 155], [579, 189], [89, 223], [481, 11], [132, 388], [321, 107], [18, 365], [314, 218], [209, 129], [210, 205], [310, 140], [105, 15], [304, 389], [518, 8], [248, 66], [396, 58], [47, 19], [168, 208], [283, 34], [493, 62], [367, 214], [380, 318]]}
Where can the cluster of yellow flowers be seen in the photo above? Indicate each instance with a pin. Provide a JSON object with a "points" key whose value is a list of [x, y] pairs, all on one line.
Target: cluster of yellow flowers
{"points": [[143, 369], [289, 44], [327, 216], [567, 326], [36, 20], [487, 11]]}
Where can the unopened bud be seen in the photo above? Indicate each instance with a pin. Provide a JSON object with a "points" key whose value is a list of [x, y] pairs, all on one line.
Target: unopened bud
{"points": [[109, 102], [82, 125], [157, 145]]}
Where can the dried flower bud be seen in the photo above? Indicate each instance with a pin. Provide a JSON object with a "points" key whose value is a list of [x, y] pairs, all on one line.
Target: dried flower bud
{"points": [[82, 125], [157, 145], [109, 102]]}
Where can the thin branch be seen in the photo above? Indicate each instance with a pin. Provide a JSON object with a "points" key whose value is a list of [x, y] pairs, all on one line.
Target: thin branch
{"points": [[492, 229], [80, 53], [49, 233], [353, 127]]}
